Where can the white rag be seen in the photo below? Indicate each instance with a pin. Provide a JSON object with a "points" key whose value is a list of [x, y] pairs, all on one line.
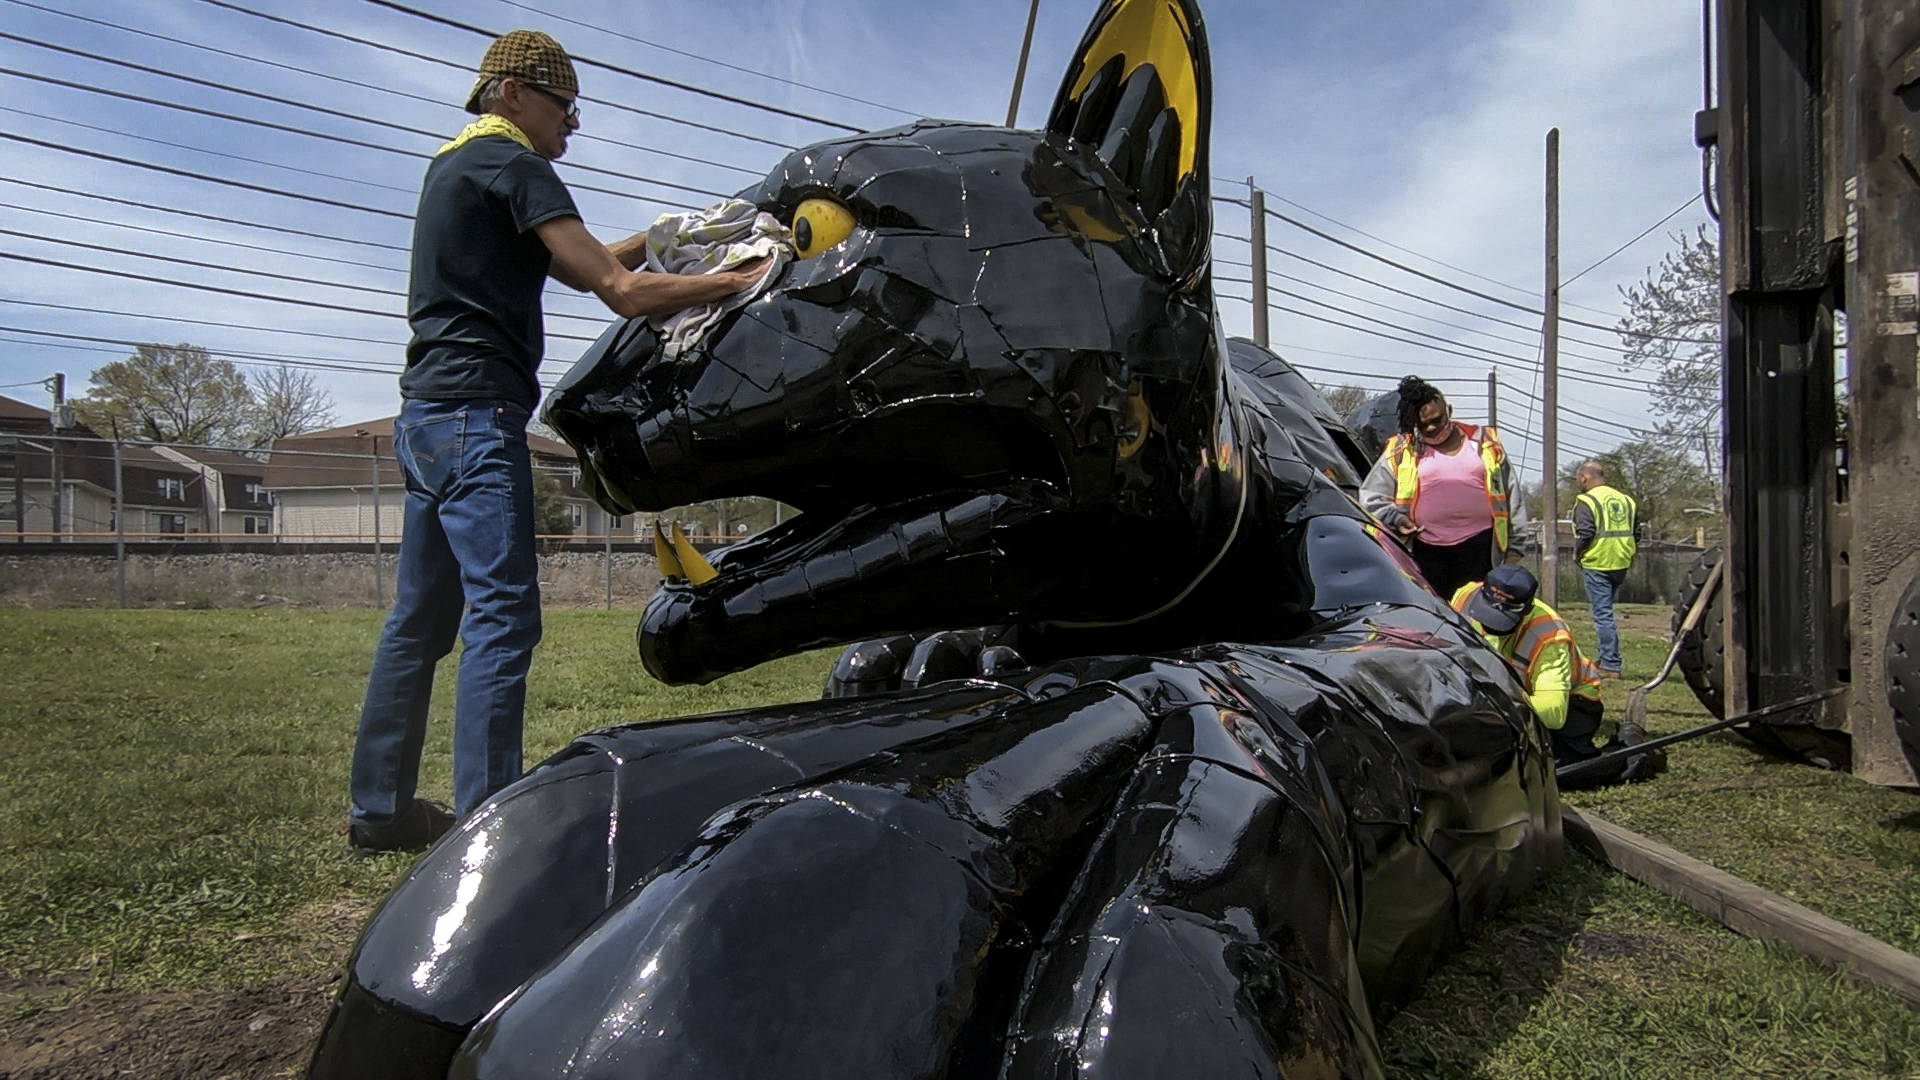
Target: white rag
{"points": [[718, 238]]}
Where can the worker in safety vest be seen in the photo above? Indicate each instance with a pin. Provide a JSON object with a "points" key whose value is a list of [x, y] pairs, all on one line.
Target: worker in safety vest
{"points": [[1446, 490], [1604, 524], [1562, 686]]}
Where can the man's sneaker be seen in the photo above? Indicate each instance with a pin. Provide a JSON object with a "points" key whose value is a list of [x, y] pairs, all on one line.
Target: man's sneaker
{"points": [[415, 829]]}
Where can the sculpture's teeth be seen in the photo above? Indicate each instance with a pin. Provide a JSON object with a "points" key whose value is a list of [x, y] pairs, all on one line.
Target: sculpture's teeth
{"points": [[664, 556], [693, 565]]}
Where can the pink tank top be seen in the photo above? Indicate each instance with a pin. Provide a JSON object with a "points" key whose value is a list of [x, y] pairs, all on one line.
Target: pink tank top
{"points": [[1453, 495]]}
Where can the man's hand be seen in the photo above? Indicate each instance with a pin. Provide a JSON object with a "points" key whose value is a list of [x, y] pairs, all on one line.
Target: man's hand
{"points": [[584, 263], [1406, 527]]}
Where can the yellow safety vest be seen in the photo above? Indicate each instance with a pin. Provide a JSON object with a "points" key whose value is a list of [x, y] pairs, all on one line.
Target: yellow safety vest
{"points": [[1542, 627], [1403, 455], [1615, 515]]}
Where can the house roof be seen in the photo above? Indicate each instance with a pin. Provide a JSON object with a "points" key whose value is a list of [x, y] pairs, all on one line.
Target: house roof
{"points": [[10, 409], [297, 460]]}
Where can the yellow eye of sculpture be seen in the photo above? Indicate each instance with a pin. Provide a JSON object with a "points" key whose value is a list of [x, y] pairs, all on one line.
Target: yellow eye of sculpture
{"points": [[819, 224]]}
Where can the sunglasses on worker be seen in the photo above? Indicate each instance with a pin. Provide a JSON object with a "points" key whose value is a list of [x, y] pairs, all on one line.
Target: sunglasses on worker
{"points": [[570, 108]]}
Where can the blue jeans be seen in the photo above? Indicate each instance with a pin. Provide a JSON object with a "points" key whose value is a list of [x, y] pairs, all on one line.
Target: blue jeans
{"points": [[467, 564], [1602, 587]]}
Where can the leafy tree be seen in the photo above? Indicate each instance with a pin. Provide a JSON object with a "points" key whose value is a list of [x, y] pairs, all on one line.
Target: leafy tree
{"points": [[1666, 482], [1672, 327], [184, 394], [1345, 398], [169, 393], [287, 402], [551, 517]]}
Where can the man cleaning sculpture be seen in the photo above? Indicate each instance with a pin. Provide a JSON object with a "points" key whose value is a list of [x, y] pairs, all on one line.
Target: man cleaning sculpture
{"points": [[494, 223]]}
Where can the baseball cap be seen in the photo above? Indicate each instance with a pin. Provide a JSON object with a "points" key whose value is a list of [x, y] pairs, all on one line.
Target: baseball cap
{"points": [[528, 55], [1499, 616]]}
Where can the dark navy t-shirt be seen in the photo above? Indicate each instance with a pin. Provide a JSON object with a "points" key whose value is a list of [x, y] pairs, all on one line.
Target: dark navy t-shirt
{"points": [[478, 272]]}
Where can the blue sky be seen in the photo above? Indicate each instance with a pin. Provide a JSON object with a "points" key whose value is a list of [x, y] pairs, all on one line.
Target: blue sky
{"points": [[1413, 128]]}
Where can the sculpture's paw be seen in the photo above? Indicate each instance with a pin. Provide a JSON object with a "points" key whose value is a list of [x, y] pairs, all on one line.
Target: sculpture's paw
{"points": [[909, 661]]}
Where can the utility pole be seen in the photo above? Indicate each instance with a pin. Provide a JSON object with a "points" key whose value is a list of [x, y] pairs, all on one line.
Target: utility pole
{"points": [[1493, 397], [1258, 203], [58, 471], [1020, 72], [1550, 389]]}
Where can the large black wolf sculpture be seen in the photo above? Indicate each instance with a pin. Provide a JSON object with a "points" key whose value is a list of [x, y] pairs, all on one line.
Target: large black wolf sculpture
{"points": [[1215, 797]]}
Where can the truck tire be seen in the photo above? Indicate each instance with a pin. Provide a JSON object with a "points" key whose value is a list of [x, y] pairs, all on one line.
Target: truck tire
{"points": [[1903, 673], [1703, 661], [1703, 655]]}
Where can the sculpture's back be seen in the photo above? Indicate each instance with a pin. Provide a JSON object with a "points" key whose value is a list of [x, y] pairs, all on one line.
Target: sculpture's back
{"points": [[1219, 788]]}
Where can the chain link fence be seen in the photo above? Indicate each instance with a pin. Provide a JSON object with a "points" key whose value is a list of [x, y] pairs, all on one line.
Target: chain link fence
{"points": [[314, 519]]}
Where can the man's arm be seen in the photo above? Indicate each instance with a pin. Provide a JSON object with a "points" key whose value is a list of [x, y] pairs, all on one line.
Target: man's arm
{"points": [[1584, 528], [1552, 687], [581, 262]]}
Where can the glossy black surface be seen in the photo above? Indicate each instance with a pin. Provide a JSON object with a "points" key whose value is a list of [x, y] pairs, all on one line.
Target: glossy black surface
{"points": [[1153, 759]]}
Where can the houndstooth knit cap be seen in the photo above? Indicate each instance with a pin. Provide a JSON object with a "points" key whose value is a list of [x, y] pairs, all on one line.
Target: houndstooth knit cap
{"points": [[525, 54]]}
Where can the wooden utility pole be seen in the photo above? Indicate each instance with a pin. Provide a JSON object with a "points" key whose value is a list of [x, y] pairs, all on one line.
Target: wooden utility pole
{"points": [[1493, 397], [1258, 204], [1020, 72], [1549, 389]]}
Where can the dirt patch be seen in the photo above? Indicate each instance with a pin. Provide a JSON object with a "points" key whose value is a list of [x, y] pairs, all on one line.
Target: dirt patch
{"points": [[255, 1033]]}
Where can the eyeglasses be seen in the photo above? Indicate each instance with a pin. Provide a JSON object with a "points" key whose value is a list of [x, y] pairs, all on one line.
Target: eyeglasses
{"points": [[571, 109]]}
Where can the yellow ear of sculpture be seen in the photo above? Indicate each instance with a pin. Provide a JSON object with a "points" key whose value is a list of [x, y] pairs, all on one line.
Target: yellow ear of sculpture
{"points": [[1153, 32], [698, 570], [663, 554]]}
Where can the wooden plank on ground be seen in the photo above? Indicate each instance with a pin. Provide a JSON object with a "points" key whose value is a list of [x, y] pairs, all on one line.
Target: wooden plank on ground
{"points": [[1746, 908]]}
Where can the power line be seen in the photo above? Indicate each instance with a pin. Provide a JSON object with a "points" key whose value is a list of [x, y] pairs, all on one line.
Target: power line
{"points": [[202, 217], [468, 69], [707, 59], [202, 176], [270, 275], [365, 86], [199, 149], [1363, 279], [202, 239], [1450, 284], [630, 73], [1697, 196], [299, 131]]}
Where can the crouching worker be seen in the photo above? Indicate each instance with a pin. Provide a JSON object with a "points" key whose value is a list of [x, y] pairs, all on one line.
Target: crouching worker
{"points": [[1562, 686]]}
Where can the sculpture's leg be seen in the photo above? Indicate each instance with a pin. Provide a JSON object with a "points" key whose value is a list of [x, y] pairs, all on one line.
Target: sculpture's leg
{"points": [[515, 885], [831, 931], [1211, 931]]}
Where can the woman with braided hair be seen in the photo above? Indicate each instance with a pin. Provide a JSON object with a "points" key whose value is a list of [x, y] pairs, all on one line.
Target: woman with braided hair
{"points": [[1445, 488]]}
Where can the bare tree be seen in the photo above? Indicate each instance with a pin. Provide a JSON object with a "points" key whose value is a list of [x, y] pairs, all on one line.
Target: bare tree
{"points": [[1672, 326], [287, 402], [1345, 398], [169, 393]]}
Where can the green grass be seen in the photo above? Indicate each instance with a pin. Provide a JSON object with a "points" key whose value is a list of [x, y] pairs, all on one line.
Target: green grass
{"points": [[173, 779]]}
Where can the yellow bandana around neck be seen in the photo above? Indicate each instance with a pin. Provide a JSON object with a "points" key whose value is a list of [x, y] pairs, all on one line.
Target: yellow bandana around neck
{"points": [[488, 124]]}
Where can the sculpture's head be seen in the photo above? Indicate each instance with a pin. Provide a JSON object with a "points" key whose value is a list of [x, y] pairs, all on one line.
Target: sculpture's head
{"points": [[993, 381]]}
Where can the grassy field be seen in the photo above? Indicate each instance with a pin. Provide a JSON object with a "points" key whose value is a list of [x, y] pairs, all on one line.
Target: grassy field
{"points": [[172, 783]]}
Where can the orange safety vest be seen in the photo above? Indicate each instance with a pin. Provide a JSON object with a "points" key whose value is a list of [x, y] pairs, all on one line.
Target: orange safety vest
{"points": [[1542, 627], [1403, 456]]}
